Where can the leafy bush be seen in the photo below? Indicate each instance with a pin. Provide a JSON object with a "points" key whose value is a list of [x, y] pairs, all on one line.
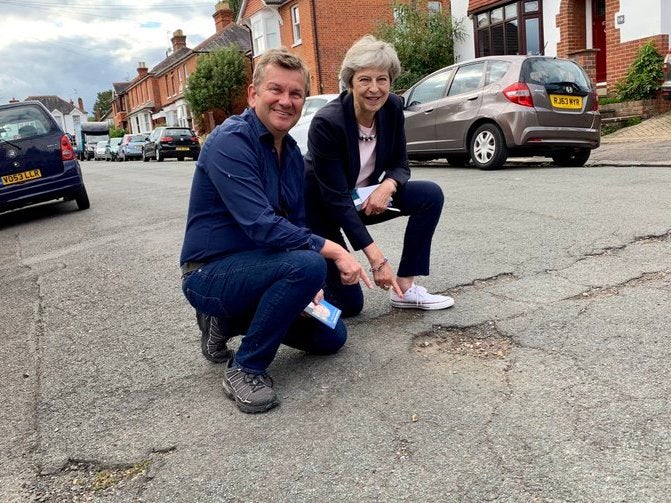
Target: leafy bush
{"points": [[424, 41], [644, 77], [116, 132]]}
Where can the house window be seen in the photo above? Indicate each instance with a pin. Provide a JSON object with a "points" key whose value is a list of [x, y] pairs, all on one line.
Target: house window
{"points": [[515, 28], [296, 24], [265, 32], [435, 7]]}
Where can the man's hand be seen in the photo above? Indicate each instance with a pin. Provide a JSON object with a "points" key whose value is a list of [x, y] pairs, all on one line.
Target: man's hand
{"points": [[318, 297], [351, 271]]}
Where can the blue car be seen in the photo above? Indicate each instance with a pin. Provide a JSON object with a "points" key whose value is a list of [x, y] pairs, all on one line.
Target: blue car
{"points": [[37, 161]]}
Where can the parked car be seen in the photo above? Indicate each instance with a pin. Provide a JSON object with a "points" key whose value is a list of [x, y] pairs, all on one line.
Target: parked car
{"points": [[131, 146], [489, 108], [300, 131], [112, 149], [177, 142], [666, 72], [37, 160], [100, 152]]}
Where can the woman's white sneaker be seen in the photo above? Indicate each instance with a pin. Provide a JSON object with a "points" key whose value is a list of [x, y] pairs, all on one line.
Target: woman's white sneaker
{"points": [[416, 297]]}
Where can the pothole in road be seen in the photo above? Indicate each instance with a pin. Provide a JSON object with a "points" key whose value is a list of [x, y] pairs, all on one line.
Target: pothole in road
{"points": [[609, 291], [479, 341], [87, 481]]}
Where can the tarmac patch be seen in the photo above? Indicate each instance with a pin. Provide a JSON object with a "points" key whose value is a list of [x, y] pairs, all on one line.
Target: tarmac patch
{"points": [[479, 341]]}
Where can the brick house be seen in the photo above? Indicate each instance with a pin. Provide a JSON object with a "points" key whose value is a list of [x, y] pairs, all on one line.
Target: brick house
{"points": [[602, 35], [68, 115], [319, 33], [156, 97]]}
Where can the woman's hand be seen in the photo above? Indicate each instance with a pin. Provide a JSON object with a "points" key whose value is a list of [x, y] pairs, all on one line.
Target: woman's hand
{"points": [[380, 198], [384, 278]]}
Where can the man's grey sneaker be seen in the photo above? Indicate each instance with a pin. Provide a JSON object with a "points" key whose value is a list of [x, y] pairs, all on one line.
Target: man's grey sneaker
{"points": [[416, 297], [212, 340], [252, 392]]}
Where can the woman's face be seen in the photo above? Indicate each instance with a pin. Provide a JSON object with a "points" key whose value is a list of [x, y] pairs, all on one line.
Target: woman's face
{"points": [[370, 90]]}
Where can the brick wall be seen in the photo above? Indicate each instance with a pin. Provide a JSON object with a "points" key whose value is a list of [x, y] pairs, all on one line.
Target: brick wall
{"points": [[571, 25], [338, 24], [587, 59], [641, 108]]}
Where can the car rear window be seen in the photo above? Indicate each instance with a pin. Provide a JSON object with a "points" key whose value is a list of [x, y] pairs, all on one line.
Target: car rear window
{"points": [[553, 71], [137, 137], [18, 123], [177, 132]]}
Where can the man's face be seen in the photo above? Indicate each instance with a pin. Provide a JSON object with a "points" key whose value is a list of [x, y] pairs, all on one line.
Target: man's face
{"points": [[278, 100]]}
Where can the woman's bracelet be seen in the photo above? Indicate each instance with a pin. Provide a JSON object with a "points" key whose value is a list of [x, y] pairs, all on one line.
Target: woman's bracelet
{"points": [[379, 267]]}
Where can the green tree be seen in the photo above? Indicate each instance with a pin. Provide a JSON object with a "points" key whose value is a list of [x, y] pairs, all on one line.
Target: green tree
{"points": [[103, 104], [423, 40], [116, 132], [235, 7], [218, 81], [644, 77]]}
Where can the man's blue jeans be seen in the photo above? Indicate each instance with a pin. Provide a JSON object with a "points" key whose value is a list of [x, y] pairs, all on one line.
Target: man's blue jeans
{"points": [[262, 294]]}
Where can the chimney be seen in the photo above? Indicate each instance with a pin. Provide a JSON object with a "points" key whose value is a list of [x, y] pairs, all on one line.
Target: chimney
{"points": [[80, 102], [13, 100], [141, 69], [223, 16], [178, 40]]}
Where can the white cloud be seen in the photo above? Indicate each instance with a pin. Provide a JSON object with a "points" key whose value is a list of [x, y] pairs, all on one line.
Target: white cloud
{"points": [[80, 48]]}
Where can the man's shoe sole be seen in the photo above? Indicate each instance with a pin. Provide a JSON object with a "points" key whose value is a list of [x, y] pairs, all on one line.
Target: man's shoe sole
{"points": [[426, 307], [248, 408]]}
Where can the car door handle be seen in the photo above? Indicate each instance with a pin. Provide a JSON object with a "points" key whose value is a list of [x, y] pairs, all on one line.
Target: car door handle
{"points": [[472, 98], [428, 111]]}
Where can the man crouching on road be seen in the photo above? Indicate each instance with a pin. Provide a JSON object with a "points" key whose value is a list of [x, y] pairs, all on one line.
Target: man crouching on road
{"points": [[248, 261]]}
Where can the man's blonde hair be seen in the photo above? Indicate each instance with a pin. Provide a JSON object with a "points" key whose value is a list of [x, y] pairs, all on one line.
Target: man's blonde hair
{"points": [[282, 58]]}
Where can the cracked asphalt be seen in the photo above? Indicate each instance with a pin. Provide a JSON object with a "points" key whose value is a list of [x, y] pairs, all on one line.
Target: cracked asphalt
{"points": [[548, 381]]}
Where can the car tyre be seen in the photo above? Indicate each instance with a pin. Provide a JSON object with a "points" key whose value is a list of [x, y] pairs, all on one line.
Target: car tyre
{"points": [[457, 159], [573, 158], [180, 158], [82, 199], [488, 147], [159, 157]]}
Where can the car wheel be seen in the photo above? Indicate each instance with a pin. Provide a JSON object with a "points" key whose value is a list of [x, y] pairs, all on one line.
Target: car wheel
{"points": [[159, 157], [457, 159], [180, 158], [82, 199], [144, 156], [574, 157], [488, 147]]}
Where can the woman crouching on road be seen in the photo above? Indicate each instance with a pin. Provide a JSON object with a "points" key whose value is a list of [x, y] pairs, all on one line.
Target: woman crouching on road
{"points": [[358, 141]]}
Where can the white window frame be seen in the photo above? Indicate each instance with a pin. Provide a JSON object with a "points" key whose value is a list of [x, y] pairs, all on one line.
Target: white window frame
{"points": [[296, 24], [265, 26], [435, 7]]}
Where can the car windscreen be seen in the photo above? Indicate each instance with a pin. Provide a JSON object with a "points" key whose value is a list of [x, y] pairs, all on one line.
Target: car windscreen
{"points": [[21, 122], [137, 138], [554, 71], [177, 132]]}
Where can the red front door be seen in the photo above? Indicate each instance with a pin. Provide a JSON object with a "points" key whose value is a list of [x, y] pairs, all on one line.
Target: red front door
{"points": [[599, 37]]}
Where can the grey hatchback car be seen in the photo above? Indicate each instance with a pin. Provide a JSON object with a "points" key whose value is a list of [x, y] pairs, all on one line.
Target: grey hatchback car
{"points": [[487, 109]]}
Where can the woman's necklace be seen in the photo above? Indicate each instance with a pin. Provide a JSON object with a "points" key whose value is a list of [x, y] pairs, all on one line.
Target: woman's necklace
{"points": [[367, 137]]}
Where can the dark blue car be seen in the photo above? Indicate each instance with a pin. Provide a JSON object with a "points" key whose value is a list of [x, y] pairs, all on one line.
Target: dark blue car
{"points": [[37, 161]]}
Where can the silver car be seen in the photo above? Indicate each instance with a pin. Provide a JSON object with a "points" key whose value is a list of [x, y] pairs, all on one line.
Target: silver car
{"points": [[300, 131], [487, 109]]}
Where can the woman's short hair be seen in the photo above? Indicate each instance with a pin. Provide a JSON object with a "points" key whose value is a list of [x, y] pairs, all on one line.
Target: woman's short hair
{"points": [[282, 58], [369, 52]]}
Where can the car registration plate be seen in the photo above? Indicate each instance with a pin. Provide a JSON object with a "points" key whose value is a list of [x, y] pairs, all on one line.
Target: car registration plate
{"points": [[21, 177], [182, 148], [562, 101]]}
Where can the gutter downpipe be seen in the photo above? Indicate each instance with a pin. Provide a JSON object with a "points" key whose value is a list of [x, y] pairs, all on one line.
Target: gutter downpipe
{"points": [[320, 86]]}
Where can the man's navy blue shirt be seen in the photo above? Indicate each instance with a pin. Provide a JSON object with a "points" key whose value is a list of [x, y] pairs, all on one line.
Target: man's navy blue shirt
{"points": [[243, 198]]}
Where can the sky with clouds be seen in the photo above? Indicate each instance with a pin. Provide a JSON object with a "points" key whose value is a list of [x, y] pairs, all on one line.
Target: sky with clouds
{"points": [[77, 48]]}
